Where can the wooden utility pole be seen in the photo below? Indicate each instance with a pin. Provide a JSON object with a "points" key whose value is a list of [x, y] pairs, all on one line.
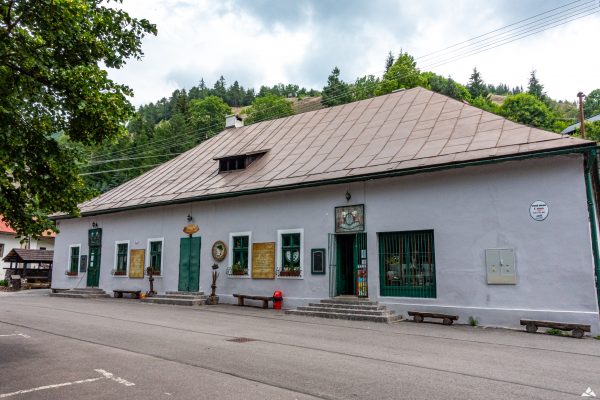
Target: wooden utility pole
{"points": [[581, 117]]}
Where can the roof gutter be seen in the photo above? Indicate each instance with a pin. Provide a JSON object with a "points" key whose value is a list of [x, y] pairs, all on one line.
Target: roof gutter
{"points": [[583, 149]]}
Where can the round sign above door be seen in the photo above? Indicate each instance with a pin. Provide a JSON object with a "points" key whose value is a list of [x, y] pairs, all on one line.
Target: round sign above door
{"points": [[538, 210]]}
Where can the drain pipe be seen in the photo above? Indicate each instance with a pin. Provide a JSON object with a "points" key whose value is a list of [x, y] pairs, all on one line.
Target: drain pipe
{"points": [[590, 159]]}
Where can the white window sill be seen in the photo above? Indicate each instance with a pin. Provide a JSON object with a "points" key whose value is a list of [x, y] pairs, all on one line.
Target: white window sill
{"points": [[239, 276], [291, 277], [72, 276], [120, 276]]}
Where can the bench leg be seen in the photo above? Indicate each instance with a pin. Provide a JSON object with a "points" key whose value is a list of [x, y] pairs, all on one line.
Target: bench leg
{"points": [[531, 327], [418, 318], [447, 321], [240, 301], [265, 303]]}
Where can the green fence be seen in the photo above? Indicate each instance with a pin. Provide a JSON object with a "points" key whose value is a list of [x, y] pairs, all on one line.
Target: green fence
{"points": [[407, 264]]}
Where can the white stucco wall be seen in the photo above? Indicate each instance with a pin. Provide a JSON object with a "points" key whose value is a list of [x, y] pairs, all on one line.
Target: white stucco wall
{"points": [[469, 209]]}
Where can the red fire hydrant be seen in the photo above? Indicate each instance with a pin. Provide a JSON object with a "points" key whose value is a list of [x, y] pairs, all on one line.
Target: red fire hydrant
{"points": [[277, 300]]}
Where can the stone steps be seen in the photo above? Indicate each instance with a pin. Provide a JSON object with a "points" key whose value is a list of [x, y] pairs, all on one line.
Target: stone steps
{"points": [[349, 308], [82, 293], [178, 298]]}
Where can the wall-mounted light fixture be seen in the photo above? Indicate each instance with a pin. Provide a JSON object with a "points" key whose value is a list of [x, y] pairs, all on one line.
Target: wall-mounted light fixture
{"points": [[94, 225], [348, 196], [190, 218]]}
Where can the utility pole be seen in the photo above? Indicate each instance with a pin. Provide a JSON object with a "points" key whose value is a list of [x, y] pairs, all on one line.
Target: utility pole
{"points": [[581, 118]]}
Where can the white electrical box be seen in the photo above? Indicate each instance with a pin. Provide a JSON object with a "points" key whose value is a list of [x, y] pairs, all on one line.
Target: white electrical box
{"points": [[501, 267]]}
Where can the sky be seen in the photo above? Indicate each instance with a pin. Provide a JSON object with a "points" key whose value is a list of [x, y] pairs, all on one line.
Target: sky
{"points": [[265, 42]]}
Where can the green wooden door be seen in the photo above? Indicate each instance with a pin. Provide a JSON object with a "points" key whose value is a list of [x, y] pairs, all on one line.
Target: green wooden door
{"points": [[93, 271], [189, 264], [95, 245]]}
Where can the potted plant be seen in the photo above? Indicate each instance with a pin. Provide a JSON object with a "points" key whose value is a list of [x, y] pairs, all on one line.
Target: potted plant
{"points": [[238, 269], [119, 273], [70, 273], [290, 270]]}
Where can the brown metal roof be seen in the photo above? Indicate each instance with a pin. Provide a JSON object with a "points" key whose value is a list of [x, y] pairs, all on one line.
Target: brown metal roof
{"points": [[403, 130], [29, 256]]}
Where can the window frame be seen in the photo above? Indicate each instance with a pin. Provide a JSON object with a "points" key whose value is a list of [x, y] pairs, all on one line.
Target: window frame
{"points": [[279, 252], [2, 249], [230, 253], [405, 267], [78, 245], [149, 255], [117, 243]]}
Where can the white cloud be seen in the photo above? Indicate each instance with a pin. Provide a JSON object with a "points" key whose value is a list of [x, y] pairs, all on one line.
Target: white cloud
{"points": [[301, 42]]}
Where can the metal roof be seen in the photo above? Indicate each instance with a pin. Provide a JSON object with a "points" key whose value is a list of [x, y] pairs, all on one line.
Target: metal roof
{"points": [[29, 256], [571, 128], [400, 131]]}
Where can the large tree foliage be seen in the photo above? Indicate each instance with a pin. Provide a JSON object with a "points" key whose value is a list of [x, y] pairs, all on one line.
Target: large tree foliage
{"points": [[402, 74], [445, 86], [477, 86], [591, 106], [527, 109], [52, 83], [535, 87], [268, 107]]}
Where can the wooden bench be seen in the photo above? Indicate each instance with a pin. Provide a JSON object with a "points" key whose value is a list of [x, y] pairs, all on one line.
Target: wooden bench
{"points": [[446, 319], [578, 330], [265, 300], [118, 293]]}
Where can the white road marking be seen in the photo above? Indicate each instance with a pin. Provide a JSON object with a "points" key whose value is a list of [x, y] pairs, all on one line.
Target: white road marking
{"points": [[17, 334], [111, 376], [105, 375]]}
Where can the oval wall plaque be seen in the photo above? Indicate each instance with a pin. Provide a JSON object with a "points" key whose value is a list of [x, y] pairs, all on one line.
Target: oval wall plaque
{"points": [[219, 250]]}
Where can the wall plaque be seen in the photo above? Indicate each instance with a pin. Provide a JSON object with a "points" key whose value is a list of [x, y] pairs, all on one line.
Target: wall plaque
{"points": [[538, 210], [263, 260], [350, 219], [136, 263], [317, 261]]}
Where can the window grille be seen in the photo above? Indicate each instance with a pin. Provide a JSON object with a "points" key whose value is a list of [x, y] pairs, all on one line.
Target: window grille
{"points": [[74, 264], [407, 264], [122, 257], [240, 255], [156, 257]]}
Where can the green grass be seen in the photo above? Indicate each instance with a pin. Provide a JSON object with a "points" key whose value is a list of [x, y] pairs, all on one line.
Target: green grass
{"points": [[555, 332], [3, 282], [597, 337], [473, 321]]}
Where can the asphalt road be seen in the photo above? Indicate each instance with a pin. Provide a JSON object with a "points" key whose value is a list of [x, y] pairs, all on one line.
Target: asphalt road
{"points": [[53, 348]]}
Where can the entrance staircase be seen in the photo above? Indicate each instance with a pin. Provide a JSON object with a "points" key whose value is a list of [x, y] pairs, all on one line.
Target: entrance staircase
{"points": [[178, 298], [351, 308], [82, 293]]}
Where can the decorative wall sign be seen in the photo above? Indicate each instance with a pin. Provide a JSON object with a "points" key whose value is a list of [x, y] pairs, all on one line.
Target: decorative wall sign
{"points": [[538, 210], [95, 237], [190, 229], [219, 250], [263, 260], [350, 219], [136, 263], [83, 263], [317, 257]]}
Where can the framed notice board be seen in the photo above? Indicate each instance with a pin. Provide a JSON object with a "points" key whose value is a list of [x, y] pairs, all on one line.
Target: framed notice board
{"points": [[317, 261], [136, 263], [263, 260]]}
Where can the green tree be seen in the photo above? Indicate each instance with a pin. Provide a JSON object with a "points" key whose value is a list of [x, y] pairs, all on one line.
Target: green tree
{"points": [[402, 74], [52, 83], [268, 107], [591, 106], [208, 115], [535, 87], [445, 86], [527, 109], [336, 91], [592, 131], [486, 104], [476, 85], [364, 87], [389, 61]]}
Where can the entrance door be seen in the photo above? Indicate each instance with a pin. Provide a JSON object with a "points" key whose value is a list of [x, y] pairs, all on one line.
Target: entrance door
{"points": [[189, 264], [346, 264], [95, 244]]}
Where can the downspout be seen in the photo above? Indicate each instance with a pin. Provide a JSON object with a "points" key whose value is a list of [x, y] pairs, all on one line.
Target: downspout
{"points": [[589, 188]]}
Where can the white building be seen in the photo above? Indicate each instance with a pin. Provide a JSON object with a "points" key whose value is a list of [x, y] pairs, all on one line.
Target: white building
{"points": [[418, 201]]}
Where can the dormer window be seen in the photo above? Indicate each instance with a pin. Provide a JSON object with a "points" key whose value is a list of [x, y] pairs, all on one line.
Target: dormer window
{"points": [[237, 162]]}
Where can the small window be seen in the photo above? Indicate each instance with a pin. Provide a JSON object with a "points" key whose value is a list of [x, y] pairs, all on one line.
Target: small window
{"points": [[121, 259], [237, 162], [240, 255], [156, 256], [74, 259], [1, 249], [407, 264], [290, 256]]}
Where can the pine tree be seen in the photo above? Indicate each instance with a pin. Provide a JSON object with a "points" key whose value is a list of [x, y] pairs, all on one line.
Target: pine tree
{"points": [[476, 85], [389, 61], [337, 91], [535, 87]]}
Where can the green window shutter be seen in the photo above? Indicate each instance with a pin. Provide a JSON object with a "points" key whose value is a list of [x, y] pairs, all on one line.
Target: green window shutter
{"points": [[74, 264], [290, 251], [156, 257], [407, 264], [122, 257]]}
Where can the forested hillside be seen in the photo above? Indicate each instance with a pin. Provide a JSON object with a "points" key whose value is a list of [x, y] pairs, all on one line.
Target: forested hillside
{"points": [[159, 131]]}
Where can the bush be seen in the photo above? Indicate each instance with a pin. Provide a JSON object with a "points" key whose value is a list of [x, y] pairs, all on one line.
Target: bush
{"points": [[473, 321], [554, 331], [3, 282]]}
